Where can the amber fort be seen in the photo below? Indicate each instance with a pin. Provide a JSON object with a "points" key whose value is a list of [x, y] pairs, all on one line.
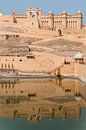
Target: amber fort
{"points": [[42, 65], [34, 17], [37, 44]]}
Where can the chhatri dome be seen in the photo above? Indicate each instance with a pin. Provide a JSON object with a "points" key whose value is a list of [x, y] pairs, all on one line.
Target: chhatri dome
{"points": [[79, 55], [79, 12], [50, 12], [30, 6], [64, 12]]}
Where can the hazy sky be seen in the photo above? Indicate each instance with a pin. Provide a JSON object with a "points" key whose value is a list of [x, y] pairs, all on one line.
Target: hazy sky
{"points": [[19, 6]]}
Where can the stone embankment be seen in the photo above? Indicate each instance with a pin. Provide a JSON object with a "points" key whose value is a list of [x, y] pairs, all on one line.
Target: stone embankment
{"points": [[74, 70]]}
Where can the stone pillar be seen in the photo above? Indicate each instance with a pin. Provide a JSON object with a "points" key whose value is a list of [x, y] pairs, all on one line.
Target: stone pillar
{"points": [[51, 20], [64, 16]]}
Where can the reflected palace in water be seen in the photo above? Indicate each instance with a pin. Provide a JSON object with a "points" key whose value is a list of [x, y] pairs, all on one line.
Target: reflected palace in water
{"points": [[40, 98]]}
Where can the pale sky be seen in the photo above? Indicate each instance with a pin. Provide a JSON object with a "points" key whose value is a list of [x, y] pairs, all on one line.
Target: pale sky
{"points": [[19, 6]]}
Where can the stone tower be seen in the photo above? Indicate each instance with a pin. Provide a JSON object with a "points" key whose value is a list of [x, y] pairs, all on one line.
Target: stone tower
{"points": [[51, 20], [79, 19]]}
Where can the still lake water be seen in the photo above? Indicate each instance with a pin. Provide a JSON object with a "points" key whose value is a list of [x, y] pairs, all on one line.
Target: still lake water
{"points": [[42, 104]]}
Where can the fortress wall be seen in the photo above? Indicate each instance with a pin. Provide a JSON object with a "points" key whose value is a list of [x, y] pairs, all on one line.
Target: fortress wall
{"points": [[79, 70], [21, 20], [83, 31], [28, 22], [43, 62], [67, 69], [82, 72], [6, 19], [74, 68]]}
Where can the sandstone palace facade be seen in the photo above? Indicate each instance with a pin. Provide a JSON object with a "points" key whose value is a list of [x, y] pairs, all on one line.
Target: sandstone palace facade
{"points": [[34, 18]]}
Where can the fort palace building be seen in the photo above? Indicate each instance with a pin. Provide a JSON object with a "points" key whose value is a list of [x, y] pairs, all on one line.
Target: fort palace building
{"points": [[50, 21], [36, 19]]}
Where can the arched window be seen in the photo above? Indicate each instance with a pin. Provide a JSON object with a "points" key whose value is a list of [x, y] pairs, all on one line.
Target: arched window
{"points": [[33, 16], [60, 32]]}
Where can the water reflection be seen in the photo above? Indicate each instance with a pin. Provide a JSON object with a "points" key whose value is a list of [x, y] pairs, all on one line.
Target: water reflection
{"points": [[38, 99], [42, 88]]}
